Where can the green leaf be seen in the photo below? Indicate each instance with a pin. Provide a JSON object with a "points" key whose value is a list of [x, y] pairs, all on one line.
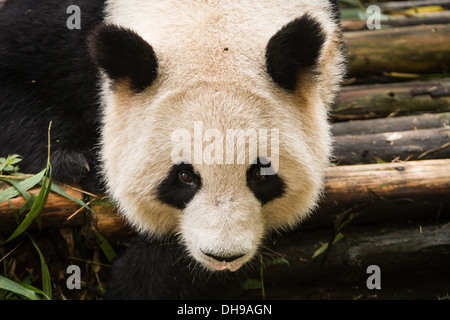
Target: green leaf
{"points": [[24, 185], [14, 212], [46, 279], [57, 189], [105, 246], [36, 209], [6, 164], [107, 202], [17, 288], [378, 159], [19, 188], [324, 247], [346, 222], [276, 261]]}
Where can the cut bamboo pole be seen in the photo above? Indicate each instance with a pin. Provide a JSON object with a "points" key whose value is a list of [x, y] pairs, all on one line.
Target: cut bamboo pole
{"points": [[403, 123], [345, 186], [417, 49], [388, 146], [413, 259], [58, 212], [441, 17], [375, 101], [401, 5]]}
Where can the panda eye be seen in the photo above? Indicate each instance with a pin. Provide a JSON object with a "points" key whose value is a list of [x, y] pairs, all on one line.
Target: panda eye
{"points": [[180, 186], [265, 187], [256, 176], [186, 177]]}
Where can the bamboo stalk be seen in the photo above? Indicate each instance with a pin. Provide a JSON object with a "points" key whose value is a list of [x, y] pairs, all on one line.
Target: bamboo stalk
{"points": [[56, 213], [364, 183], [399, 5], [402, 123], [416, 49], [441, 17], [345, 186], [388, 146], [375, 101], [413, 260]]}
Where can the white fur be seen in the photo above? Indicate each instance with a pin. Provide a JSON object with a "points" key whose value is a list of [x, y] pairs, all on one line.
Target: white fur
{"points": [[212, 69]]}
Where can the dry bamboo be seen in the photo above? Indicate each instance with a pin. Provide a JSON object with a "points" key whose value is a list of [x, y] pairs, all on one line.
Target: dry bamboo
{"points": [[345, 186]]}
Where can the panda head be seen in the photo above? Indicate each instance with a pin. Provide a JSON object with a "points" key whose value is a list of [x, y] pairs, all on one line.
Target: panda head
{"points": [[216, 139]]}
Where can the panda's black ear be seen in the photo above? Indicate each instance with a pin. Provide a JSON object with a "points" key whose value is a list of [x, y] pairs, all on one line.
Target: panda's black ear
{"points": [[295, 47], [123, 55]]}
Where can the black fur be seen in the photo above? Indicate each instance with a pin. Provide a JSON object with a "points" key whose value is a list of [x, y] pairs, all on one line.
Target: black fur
{"points": [[268, 187], [295, 47], [335, 9], [123, 54], [46, 75], [174, 192], [152, 269]]}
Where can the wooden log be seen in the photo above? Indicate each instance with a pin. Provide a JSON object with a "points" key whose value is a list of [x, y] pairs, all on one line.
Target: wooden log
{"points": [[375, 101], [410, 256], [378, 209], [416, 49], [349, 185], [387, 146], [345, 186], [442, 17], [386, 192], [56, 213], [107, 220], [401, 5], [404, 123]]}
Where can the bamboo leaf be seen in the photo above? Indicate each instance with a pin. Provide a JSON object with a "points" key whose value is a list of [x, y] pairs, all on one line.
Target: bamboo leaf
{"points": [[19, 188], [7, 164], [343, 224], [378, 159], [17, 288], [324, 247], [46, 279], [321, 250], [14, 212], [36, 209], [276, 261], [57, 189], [105, 246], [24, 185]]}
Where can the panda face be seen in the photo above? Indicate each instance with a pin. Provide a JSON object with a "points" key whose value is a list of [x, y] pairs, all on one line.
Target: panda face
{"points": [[220, 211], [171, 96]]}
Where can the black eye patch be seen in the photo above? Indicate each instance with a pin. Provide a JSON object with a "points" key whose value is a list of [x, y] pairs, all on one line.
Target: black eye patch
{"points": [[180, 186], [264, 187]]}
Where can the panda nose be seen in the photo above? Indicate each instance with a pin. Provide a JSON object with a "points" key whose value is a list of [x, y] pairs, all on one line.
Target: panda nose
{"points": [[223, 258]]}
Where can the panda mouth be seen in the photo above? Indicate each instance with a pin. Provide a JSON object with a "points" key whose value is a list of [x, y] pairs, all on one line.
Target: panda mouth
{"points": [[222, 266], [222, 263]]}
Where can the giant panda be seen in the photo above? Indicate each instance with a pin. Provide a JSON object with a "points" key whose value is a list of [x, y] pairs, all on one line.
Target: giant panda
{"points": [[142, 99]]}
